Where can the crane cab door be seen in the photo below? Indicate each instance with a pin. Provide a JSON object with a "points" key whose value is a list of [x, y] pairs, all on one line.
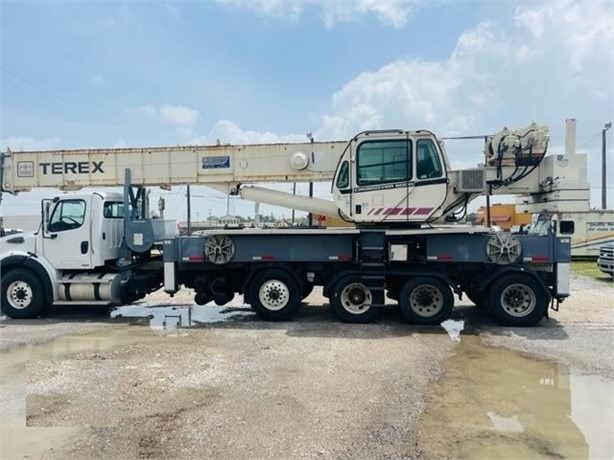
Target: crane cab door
{"points": [[380, 180], [66, 236]]}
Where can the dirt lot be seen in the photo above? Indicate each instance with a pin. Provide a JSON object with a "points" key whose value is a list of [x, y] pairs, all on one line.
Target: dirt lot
{"points": [[78, 384]]}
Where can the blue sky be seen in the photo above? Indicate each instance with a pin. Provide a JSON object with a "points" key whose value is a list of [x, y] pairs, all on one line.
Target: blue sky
{"points": [[107, 74]]}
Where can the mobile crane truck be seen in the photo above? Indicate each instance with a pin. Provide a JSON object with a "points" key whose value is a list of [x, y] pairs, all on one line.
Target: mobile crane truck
{"points": [[396, 186]]}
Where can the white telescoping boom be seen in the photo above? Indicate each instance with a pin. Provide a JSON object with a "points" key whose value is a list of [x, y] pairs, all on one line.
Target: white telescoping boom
{"points": [[382, 177]]}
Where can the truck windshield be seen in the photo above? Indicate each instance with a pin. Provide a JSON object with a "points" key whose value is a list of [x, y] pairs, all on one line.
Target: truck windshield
{"points": [[67, 215]]}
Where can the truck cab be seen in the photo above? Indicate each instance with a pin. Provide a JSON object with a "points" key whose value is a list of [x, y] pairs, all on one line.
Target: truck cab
{"points": [[82, 231], [66, 261]]}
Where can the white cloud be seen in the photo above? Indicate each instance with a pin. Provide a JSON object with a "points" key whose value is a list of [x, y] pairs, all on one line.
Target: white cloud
{"points": [[228, 132], [497, 74], [394, 13], [280, 9], [18, 143], [177, 115]]}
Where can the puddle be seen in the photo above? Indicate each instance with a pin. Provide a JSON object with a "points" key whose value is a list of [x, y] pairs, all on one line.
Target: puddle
{"points": [[174, 317], [498, 403], [13, 381]]}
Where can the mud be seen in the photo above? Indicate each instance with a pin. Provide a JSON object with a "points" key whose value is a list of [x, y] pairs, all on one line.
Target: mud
{"points": [[498, 403]]}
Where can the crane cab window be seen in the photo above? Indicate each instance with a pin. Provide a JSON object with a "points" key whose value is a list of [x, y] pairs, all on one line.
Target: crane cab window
{"points": [[343, 178], [67, 215], [428, 164], [383, 161]]}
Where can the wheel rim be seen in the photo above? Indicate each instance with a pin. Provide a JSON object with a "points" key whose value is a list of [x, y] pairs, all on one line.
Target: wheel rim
{"points": [[356, 298], [19, 295], [274, 295], [426, 300], [518, 300]]}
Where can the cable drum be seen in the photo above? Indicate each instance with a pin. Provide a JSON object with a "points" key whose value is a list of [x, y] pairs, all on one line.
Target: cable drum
{"points": [[219, 249], [503, 248]]}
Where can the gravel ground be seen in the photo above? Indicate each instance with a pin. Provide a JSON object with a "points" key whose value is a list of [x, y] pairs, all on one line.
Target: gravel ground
{"points": [[85, 386]]}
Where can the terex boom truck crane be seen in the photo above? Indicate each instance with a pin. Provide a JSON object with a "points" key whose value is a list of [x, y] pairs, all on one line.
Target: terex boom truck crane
{"points": [[102, 248]]}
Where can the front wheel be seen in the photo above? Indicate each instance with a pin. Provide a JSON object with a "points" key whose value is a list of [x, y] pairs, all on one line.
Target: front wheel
{"points": [[275, 294], [352, 301], [426, 300], [517, 299], [22, 294]]}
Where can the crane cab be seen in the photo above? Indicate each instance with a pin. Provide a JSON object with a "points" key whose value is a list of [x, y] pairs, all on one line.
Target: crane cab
{"points": [[391, 177]]}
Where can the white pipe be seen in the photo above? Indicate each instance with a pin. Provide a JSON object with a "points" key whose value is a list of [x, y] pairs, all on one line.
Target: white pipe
{"points": [[570, 136], [288, 200]]}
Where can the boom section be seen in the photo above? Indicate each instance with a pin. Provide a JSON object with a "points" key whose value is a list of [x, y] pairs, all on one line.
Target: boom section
{"points": [[168, 166]]}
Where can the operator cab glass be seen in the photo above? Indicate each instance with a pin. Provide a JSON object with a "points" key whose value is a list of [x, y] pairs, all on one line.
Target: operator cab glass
{"points": [[428, 164], [383, 161]]}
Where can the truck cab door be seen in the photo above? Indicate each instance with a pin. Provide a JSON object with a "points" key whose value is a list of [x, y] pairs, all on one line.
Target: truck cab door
{"points": [[67, 236]]}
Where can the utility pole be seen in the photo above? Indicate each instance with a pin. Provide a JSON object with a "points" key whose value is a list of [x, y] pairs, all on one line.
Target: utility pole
{"points": [[604, 189]]}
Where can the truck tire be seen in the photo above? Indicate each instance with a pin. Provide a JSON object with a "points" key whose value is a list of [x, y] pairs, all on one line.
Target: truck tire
{"points": [[22, 294], [426, 300], [274, 294], [517, 299], [351, 301]]}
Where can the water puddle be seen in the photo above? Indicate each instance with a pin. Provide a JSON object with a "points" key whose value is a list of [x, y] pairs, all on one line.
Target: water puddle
{"points": [[14, 380], [174, 317], [498, 403]]}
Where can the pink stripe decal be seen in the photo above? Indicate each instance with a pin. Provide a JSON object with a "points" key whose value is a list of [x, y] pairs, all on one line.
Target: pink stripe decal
{"points": [[408, 211], [393, 211], [422, 211]]}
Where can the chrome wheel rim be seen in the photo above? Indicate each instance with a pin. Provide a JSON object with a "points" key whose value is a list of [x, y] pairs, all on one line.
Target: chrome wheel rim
{"points": [[19, 295], [356, 298], [426, 300], [518, 300], [274, 295]]}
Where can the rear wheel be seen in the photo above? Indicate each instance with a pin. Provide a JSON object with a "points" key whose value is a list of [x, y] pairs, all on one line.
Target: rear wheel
{"points": [[275, 294], [352, 301], [517, 299], [426, 300], [22, 294]]}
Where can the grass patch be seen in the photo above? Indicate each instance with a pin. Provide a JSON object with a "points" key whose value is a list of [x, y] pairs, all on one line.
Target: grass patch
{"points": [[590, 269]]}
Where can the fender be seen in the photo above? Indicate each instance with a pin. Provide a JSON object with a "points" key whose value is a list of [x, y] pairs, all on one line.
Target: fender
{"points": [[485, 281], [254, 270], [32, 263]]}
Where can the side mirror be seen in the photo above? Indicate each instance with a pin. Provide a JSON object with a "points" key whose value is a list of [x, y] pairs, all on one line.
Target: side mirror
{"points": [[45, 213], [566, 227]]}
